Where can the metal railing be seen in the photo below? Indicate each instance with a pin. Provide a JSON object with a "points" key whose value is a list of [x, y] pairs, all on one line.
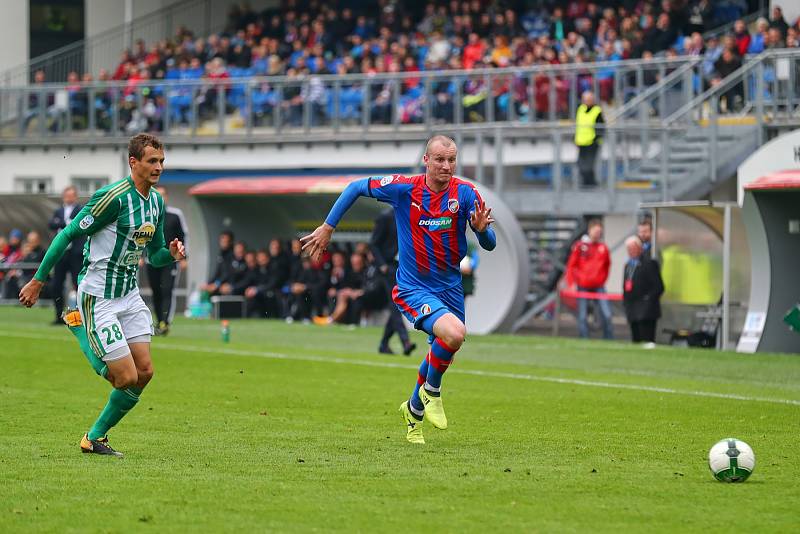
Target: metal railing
{"points": [[249, 106], [764, 90], [484, 107], [719, 31], [103, 49]]}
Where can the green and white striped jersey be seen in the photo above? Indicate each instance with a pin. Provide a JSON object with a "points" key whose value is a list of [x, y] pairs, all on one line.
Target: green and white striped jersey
{"points": [[120, 223]]}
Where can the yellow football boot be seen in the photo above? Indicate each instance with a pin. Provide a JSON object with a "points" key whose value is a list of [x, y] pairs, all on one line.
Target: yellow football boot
{"points": [[434, 410], [413, 425]]}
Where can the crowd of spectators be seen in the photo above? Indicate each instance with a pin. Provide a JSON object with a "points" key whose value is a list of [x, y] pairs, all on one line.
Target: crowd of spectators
{"points": [[279, 283], [300, 40], [18, 248]]}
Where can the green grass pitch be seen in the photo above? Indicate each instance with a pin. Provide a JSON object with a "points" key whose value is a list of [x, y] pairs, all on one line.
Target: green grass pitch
{"points": [[295, 428]]}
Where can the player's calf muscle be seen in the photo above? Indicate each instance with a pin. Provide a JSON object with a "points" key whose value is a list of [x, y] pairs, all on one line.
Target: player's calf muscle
{"points": [[122, 377], [145, 375]]}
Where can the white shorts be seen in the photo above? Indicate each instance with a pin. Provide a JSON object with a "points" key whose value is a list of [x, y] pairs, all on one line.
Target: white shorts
{"points": [[112, 323]]}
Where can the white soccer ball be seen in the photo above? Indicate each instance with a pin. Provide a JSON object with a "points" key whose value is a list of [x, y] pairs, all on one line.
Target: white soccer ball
{"points": [[731, 460]]}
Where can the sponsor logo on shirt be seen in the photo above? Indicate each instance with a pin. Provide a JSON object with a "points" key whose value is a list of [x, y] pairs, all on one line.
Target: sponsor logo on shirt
{"points": [[439, 223], [386, 180], [86, 222], [144, 234]]}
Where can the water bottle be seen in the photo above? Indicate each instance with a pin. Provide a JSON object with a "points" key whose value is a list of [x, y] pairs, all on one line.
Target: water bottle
{"points": [[226, 331]]}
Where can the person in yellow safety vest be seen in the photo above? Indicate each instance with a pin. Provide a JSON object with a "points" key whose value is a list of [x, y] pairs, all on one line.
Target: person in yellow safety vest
{"points": [[587, 138]]}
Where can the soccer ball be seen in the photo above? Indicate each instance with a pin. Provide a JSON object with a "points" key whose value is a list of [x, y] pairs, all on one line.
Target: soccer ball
{"points": [[731, 460]]}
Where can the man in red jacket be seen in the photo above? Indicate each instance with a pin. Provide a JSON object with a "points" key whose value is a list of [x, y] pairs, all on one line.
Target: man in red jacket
{"points": [[587, 269]]}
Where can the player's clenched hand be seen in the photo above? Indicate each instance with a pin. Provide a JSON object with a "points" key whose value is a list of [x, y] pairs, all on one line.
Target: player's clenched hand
{"points": [[29, 294], [177, 250], [315, 243], [481, 217]]}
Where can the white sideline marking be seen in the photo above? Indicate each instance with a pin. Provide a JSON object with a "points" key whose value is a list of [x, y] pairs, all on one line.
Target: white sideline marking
{"points": [[473, 372]]}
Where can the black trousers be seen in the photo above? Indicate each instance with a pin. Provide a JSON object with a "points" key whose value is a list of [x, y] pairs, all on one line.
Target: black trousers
{"points": [[394, 323], [162, 282], [265, 304], [587, 155], [69, 263], [643, 331]]}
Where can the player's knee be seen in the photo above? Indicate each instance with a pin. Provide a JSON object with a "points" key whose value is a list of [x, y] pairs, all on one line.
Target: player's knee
{"points": [[454, 335], [123, 380], [145, 375]]}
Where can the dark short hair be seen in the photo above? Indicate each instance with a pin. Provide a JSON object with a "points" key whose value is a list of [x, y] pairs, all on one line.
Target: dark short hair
{"points": [[594, 222], [138, 142], [227, 233]]}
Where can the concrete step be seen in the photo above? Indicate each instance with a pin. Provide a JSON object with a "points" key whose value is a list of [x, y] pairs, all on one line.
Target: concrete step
{"points": [[640, 176], [688, 157], [672, 168], [689, 148]]}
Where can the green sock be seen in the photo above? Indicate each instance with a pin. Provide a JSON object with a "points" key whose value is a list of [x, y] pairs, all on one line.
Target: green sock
{"points": [[83, 340], [120, 402]]}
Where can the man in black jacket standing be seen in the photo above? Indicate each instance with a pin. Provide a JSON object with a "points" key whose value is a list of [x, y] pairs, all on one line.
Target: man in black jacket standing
{"points": [[383, 244], [163, 279], [641, 290], [72, 260]]}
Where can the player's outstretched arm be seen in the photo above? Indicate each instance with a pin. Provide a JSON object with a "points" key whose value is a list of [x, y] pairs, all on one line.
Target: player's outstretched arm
{"points": [[29, 294], [98, 212], [479, 220], [315, 243]]}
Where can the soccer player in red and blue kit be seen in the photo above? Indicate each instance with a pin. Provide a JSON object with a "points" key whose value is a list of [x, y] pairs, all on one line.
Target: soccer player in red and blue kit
{"points": [[432, 211]]}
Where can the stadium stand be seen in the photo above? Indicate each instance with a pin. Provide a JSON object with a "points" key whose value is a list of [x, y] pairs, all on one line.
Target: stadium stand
{"points": [[280, 67]]}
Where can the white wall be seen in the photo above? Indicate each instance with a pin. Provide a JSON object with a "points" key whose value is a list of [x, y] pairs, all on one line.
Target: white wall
{"points": [[14, 46], [102, 15], [790, 8], [60, 165], [376, 154]]}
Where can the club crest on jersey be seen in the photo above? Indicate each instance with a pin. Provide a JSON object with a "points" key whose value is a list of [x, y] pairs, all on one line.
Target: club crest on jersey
{"points": [[386, 180], [86, 222], [144, 234], [453, 205], [425, 309]]}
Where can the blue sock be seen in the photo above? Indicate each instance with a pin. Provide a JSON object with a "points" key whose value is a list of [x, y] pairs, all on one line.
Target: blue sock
{"points": [[415, 403], [439, 360]]}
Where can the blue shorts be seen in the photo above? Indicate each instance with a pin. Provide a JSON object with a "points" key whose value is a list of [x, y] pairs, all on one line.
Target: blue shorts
{"points": [[423, 307]]}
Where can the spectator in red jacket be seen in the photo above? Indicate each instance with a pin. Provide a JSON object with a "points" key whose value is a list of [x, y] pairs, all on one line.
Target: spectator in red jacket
{"points": [[742, 37], [587, 269]]}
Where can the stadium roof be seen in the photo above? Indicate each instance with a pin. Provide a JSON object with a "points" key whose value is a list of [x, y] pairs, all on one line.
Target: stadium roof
{"points": [[272, 185], [776, 180]]}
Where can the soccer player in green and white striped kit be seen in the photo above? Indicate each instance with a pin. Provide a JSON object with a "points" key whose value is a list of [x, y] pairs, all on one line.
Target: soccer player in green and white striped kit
{"points": [[114, 325]]}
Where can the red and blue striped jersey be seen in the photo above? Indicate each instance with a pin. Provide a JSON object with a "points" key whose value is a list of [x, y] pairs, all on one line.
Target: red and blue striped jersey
{"points": [[431, 228]]}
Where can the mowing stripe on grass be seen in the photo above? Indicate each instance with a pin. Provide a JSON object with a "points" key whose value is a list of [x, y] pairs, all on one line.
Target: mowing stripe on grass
{"points": [[473, 372]]}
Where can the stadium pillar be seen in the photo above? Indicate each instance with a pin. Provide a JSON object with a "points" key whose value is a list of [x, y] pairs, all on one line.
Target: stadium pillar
{"points": [[479, 163], [128, 36], [498, 161], [726, 277]]}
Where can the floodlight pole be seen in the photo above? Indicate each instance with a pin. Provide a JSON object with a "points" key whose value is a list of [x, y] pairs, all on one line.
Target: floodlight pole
{"points": [[726, 276]]}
